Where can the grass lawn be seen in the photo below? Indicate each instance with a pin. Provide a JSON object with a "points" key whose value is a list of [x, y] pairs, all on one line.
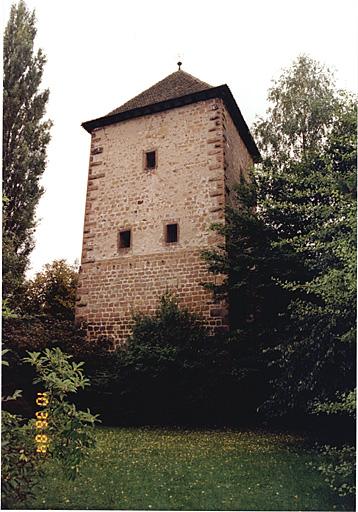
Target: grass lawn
{"points": [[192, 470]]}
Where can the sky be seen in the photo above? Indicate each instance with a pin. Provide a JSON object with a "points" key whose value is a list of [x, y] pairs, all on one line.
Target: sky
{"points": [[102, 53]]}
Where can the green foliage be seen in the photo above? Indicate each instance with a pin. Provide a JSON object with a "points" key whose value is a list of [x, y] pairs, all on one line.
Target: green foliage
{"points": [[25, 138], [302, 107], [16, 394], [338, 468], [322, 310], [21, 467], [68, 431], [339, 463], [13, 268], [169, 328], [19, 463], [40, 332], [288, 257], [248, 263], [52, 292], [306, 191], [345, 403], [22, 334], [7, 312], [245, 261], [171, 371], [3, 361]]}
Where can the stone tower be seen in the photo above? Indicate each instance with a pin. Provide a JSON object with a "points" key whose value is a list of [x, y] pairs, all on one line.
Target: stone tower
{"points": [[162, 166]]}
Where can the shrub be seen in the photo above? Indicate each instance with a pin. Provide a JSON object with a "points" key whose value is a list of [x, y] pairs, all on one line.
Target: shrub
{"points": [[22, 334], [19, 463], [172, 372], [39, 332], [339, 469], [67, 428]]}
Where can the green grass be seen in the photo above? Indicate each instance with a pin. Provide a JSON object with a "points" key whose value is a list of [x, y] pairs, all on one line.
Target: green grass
{"points": [[191, 470]]}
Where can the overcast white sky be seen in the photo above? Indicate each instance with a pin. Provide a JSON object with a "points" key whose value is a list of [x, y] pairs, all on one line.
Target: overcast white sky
{"points": [[102, 53]]}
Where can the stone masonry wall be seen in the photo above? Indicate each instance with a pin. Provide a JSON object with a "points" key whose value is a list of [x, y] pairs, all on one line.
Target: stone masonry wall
{"points": [[119, 288], [194, 144], [237, 159]]}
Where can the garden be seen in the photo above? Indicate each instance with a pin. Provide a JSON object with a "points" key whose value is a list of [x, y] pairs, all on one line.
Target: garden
{"points": [[189, 446], [261, 417]]}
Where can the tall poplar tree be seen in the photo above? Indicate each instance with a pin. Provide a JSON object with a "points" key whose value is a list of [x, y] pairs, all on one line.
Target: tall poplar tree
{"points": [[25, 138]]}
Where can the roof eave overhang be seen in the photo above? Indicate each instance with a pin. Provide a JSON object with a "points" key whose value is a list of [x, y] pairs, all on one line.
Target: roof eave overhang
{"points": [[222, 91]]}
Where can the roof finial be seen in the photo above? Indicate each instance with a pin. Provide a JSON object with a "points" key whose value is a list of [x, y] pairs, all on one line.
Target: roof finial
{"points": [[179, 65]]}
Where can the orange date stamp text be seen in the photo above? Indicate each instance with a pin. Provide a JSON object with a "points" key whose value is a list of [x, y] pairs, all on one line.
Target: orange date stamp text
{"points": [[41, 438]]}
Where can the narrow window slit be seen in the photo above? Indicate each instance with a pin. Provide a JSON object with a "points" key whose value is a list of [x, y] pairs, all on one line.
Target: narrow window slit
{"points": [[124, 239], [150, 160], [172, 233]]}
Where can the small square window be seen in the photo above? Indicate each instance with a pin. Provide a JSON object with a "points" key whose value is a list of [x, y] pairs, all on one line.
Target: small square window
{"points": [[171, 233], [150, 159], [125, 239]]}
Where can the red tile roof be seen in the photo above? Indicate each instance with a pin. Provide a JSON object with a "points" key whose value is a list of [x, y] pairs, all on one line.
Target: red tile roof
{"points": [[175, 85], [176, 90]]}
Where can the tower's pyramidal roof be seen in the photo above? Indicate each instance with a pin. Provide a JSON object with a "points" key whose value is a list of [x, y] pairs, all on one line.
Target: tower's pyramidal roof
{"points": [[173, 86], [176, 90]]}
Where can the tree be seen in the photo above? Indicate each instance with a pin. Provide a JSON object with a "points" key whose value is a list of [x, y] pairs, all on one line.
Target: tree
{"points": [[52, 292], [25, 139], [247, 262], [289, 252], [302, 106], [307, 197]]}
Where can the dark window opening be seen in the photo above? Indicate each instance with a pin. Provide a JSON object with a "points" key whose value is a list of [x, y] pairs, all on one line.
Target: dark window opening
{"points": [[150, 160], [172, 233], [124, 239]]}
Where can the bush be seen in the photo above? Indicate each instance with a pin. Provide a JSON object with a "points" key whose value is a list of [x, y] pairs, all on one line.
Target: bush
{"points": [[169, 371], [339, 469], [172, 372], [38, 333], [20, 464], [70, 437], [66, 428], [34, 333]]}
